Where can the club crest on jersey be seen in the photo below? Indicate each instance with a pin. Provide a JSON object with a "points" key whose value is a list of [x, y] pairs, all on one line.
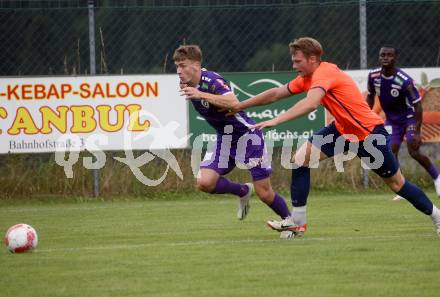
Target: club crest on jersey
{"points": [[398, 80], [205, 103], [394, 92]]}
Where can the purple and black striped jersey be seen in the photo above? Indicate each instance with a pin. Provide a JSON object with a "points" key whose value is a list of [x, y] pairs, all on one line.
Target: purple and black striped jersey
{"points": [[396, 101], [214, 83]]}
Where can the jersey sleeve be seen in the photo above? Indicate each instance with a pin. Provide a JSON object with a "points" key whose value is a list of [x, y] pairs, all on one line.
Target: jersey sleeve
{"points": [[220, 86], [296, 85], [414, 96], [370, 85]]}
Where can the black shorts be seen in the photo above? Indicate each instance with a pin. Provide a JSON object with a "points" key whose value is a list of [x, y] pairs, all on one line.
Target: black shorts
{"points": [[375, 150]]}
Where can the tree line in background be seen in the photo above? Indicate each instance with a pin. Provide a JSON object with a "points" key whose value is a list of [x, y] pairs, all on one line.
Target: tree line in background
{"points": [[140, 36]]}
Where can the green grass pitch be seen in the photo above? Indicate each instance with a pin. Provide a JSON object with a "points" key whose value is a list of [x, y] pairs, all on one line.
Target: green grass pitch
{"points": [[356, 245]]}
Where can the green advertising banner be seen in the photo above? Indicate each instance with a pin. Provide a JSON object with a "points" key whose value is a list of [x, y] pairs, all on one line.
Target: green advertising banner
{"points": [[246, 85]]}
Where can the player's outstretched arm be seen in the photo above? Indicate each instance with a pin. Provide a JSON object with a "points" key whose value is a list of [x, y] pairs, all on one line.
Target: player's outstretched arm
{"points": [[226, 101], [371, 92], [264, 98], [302, 107], [414, 97]]}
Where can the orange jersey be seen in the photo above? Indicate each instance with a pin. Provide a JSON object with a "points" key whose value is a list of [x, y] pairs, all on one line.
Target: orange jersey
{"points": [[342, 99]]}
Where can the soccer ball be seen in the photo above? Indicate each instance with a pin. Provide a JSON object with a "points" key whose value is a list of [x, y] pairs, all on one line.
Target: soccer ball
{"points": [[21, 238]]}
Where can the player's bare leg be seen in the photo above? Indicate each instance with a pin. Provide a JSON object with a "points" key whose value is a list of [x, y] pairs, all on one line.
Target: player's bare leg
{"points": [[206, 180], [395, 147]]}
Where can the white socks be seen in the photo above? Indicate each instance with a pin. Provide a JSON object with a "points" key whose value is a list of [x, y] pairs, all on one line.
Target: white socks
{"points": [[437, 185], [435, 212], [299, 215]]}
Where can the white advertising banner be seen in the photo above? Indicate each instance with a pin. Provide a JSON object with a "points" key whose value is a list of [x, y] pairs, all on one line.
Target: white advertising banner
{"points": [[45, 114], [421, 76]]}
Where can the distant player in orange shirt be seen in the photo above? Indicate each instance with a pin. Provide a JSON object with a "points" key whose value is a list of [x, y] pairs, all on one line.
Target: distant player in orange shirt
{"points": [[356, 128]]}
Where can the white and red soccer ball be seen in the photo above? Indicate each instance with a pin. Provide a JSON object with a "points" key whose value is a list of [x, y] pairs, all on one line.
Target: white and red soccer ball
{"points": [[21, 238]]}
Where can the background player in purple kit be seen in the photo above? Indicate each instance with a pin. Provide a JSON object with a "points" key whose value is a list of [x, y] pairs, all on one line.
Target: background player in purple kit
{"points": [[402, 105], [211, 96]]}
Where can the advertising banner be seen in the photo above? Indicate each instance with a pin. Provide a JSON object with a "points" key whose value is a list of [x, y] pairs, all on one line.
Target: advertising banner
{"points": [[145, 112], [43, 114]]}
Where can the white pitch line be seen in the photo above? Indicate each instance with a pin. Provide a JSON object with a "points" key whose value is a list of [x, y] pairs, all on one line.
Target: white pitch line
{"points": [[223, 242], [109, 205]]}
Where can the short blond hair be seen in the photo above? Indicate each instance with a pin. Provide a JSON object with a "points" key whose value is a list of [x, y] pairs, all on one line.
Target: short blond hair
{"points": [[308, 46], [190, 52]]}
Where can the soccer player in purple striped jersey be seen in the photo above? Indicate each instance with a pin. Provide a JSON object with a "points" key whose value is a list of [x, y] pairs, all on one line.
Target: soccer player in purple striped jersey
{"points": [[236, 143], [402, 105]]}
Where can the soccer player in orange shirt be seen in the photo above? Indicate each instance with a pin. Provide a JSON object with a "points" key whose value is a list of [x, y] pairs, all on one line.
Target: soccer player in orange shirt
{"points": [[356, 128]]}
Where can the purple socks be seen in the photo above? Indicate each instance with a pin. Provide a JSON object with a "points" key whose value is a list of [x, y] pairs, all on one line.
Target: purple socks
{"points": [[225, 186], [433, 172], [279, 206]]}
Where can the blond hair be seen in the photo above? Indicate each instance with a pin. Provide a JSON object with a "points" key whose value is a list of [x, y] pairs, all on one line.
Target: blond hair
{"points": [[190, 52], [308, 46]]}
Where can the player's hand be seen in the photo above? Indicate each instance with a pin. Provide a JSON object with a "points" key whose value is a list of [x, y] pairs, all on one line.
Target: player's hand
{"points": [[190, 93], [265, 124], [424, 89]]}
